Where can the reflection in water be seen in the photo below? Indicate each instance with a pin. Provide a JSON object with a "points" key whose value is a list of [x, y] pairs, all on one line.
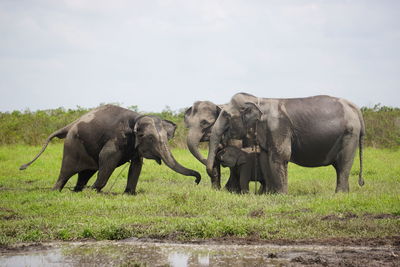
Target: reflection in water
{"points": [[178, 259], [42, 258], [204, 260], [136, 253], [181, 259]]}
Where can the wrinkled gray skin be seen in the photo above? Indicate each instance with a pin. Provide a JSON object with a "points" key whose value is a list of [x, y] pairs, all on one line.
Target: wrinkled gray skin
{"points": [[108, 137], [311, 132], [199, 119], [246, 164]]}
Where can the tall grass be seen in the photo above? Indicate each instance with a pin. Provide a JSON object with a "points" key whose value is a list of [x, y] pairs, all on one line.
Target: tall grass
{"points": [[32, 128]]}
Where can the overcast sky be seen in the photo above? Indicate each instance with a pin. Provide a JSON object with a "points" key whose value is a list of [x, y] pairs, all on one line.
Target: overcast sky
{"points": [[158, 53]]}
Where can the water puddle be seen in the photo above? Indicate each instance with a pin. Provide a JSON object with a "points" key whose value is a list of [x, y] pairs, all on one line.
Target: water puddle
{"points": [[138, 253]]}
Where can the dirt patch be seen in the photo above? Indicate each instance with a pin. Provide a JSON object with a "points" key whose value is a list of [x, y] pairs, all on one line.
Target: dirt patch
{"points": [[10, 214], [257, 213], [4, 249], [369, 216], [335, 241], [311, 260], [6, 209], [9, 217], [381, 216], [341, 217]]}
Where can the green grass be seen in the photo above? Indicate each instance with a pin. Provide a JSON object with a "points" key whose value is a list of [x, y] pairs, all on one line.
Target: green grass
{"points": [[169, 205]]}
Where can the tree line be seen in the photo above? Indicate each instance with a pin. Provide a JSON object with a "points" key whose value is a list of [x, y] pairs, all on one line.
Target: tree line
{"points": [[33, 127]]}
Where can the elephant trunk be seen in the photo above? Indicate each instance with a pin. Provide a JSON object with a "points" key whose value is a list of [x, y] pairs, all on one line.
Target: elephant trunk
{"points": [[193, 140], [218, 129], [170, 161]]}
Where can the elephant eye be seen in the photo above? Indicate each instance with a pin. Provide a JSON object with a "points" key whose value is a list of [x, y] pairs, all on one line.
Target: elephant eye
{"points": [[205, 123], [244, 110]]}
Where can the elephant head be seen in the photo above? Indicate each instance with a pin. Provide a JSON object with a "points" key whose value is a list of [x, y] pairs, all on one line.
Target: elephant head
{"points": [[151, 140], [199, 119], [234, 121], [231, 156]]}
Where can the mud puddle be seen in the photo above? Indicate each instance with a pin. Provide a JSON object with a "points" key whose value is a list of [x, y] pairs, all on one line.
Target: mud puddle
{"points": [[138, 253]]}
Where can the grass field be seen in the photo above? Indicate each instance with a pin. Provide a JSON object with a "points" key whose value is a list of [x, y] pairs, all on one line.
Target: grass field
{"points": [[169, 205]]}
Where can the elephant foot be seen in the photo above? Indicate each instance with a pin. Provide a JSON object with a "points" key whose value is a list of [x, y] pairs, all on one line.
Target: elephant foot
{"points": [[56, 188], [216, 186], [77, 189], [98, 190], [342, 190], [130, 192]]}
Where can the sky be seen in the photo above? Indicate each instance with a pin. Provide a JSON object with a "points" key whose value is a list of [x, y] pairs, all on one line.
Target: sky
{"points": [[154, 54]]}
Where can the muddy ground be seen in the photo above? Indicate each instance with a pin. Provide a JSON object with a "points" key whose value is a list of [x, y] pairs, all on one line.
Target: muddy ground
{"points": [[215, 252]]}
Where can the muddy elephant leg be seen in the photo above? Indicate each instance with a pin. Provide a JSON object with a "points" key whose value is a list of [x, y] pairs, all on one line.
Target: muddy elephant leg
{"points": [[133, 176], [344, 163], [109, 158], [83, 179]]}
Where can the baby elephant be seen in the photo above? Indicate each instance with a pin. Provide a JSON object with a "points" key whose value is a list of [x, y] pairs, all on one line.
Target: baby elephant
{"points": [[246, 165]]}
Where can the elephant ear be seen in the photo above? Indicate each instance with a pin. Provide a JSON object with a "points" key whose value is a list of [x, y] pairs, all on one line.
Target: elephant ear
{"points": [[188, 113], [219, 108], [262, 135], [135, 129], [170, 127], [251, 112], [225, 114]]}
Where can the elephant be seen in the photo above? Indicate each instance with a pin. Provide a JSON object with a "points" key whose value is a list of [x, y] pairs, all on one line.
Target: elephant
{"points": [[107, 137], [199, 119], [311, 132], [246, 164]]}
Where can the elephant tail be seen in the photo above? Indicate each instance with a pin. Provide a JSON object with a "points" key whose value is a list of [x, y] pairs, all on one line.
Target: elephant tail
{"points": [[60, 133], [360, 176], [361, 146]]}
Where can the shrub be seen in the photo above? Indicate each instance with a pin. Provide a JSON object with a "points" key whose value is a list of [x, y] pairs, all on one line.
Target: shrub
{"points": [[32, 128]]}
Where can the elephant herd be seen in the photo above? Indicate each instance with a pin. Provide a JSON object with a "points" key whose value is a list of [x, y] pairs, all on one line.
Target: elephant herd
{"points": [[255, 137]]}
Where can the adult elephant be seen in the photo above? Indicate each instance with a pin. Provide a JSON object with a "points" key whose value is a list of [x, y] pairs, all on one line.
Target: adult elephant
{"points": [[199, 119], [108, 137], [311, 132]]}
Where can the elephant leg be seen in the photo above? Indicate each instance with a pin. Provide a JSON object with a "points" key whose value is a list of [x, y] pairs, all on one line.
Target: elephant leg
{"points": [[265, 172], [133, 176], [263, 188], [216, 177], [232, 185], [344, 163], [275, 172], [63, 177], [244, 180], [109, 158], [68, 169], [75, 159], [83, 179]]}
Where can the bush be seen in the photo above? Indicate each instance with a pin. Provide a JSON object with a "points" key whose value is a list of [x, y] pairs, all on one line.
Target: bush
{"points": [[32, 128], [382, 126]]}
